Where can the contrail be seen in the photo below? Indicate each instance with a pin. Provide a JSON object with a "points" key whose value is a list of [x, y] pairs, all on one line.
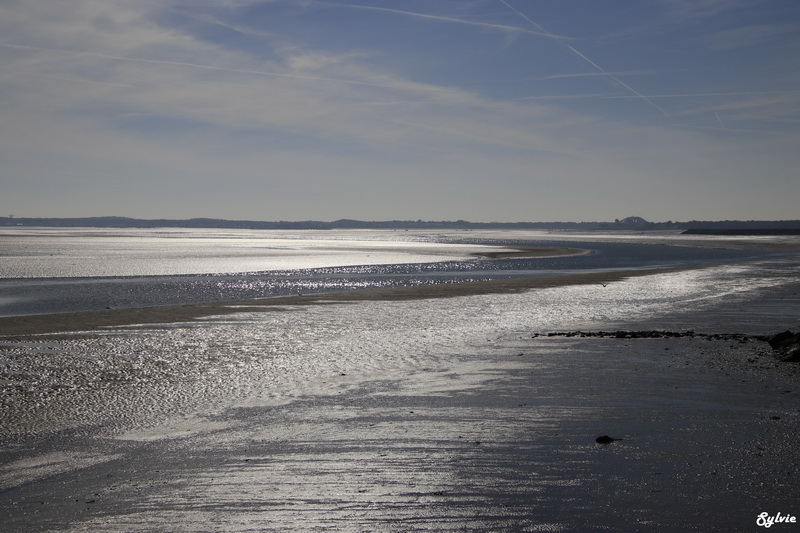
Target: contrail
{"points": [[592, 63], [502, 27], [719, 120], [588, 74], [218, 22], [693, 95], [564, 96]]}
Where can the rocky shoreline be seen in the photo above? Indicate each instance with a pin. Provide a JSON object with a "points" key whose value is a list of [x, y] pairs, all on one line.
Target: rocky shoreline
{"points": [[785, 345]]}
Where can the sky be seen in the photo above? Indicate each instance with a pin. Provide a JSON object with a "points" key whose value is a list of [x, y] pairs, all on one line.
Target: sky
{"points": [[481, 110]]}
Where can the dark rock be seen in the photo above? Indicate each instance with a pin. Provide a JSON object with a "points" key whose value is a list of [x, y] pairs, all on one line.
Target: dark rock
{"points": [[781, 340], [787, 346]]}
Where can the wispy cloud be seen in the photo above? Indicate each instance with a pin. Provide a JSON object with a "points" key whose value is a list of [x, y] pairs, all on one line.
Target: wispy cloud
{"points": [[747, 36], [254, 72], [277, 98], [703, 95], [296, 95], [778, 103], [696, 11], [486, 135]]}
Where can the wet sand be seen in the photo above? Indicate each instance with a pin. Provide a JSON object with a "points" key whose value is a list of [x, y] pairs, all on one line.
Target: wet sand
{"points": [[499, 439]]}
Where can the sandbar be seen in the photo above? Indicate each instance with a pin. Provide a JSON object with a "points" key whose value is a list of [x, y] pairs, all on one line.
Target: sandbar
{"points": [[86, 321]]}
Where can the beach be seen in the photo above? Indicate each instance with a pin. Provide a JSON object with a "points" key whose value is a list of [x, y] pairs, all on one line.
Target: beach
{"points": [[407, 416]]}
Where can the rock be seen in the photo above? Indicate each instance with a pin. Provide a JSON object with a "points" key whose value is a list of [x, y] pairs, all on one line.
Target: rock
{"points": [[784, 339], [791, 354], [787, 346]]}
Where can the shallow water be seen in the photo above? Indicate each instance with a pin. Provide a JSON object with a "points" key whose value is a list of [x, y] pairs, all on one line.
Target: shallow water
{"points": [[92, 252], [54, 271]]}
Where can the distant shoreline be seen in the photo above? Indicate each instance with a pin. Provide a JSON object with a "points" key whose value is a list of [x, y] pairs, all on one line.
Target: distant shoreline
{"points": [[626, 224], [743, 232]]}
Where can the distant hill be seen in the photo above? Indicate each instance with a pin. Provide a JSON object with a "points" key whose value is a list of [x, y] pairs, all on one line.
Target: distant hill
{"points": [[629, 223]]}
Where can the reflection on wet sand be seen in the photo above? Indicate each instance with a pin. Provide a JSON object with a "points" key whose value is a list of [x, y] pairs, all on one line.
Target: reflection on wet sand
{"points": [[498, 440], [394, 411]]}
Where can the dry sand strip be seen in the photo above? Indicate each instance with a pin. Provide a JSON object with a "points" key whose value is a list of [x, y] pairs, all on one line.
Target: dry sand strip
{"points": [[85, 321], [534, 251]]}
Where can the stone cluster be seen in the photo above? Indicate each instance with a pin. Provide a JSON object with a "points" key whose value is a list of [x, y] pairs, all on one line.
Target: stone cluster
{"points": [[786, 345]]}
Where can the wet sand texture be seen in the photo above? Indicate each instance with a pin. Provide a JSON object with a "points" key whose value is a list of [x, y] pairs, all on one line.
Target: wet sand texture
{"points": [[499, 441], [703, 437]]}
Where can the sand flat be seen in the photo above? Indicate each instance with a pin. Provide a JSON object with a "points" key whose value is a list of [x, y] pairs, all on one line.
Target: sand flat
{"points": [[497, 437], [503, 439]]}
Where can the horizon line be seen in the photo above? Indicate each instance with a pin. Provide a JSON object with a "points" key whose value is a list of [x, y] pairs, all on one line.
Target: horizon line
{"points": [[630, 220]]}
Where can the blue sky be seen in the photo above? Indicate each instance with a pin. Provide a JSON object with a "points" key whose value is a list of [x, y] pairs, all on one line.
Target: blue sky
{"points": [[483, 110]]}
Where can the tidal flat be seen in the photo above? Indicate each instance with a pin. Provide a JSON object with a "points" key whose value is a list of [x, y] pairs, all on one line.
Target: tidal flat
{"points": [[372, 411]]}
